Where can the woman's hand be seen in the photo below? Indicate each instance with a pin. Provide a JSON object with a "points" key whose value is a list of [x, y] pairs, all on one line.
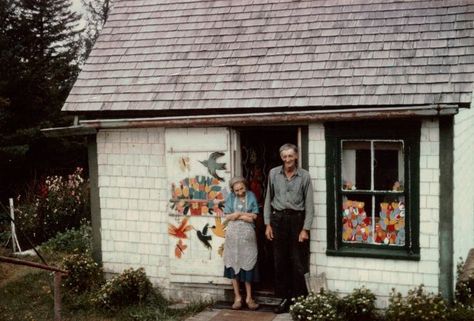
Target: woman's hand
{"points": [[234, 216], [247, 217]]}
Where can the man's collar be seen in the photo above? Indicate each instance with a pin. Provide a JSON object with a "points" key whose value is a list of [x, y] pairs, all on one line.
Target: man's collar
{"points": [[282, 170]]}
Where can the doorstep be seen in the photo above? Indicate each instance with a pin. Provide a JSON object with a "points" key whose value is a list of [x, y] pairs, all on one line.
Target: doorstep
{"points": [[238, 315]]}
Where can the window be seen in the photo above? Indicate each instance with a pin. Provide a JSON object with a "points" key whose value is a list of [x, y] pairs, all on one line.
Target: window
{"points": [[373, 172]]}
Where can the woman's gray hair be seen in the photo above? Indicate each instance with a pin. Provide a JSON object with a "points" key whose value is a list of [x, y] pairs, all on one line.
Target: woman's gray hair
{"points": [[289, 146], [236, 179]]}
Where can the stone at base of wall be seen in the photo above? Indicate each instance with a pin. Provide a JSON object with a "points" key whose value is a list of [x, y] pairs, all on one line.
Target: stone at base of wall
{"points": [[190, 292]]}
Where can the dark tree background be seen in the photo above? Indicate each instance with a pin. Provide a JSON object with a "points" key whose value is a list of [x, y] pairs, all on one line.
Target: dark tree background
{"points": [[42, 46]]}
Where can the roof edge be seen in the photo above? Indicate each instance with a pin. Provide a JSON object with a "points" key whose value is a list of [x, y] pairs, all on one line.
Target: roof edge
{"points": [[253, 119]]}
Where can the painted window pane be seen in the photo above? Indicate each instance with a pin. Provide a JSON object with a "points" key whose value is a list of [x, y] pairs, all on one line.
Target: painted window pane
{"points": [[390, 221], [386, 227], [357, 220]]}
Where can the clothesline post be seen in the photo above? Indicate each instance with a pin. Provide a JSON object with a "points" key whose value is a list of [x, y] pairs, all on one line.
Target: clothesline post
{"points": [[15, 242]]}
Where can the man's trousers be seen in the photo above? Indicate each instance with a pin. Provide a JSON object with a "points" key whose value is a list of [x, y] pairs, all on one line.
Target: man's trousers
{"points": [[291, 257]]}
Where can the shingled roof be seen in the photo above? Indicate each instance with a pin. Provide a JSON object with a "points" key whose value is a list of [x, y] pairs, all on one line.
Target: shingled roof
{"points": [[157, 55]]}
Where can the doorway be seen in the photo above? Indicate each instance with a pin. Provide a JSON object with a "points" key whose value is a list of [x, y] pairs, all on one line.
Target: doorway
{"points": [[259, 153]]}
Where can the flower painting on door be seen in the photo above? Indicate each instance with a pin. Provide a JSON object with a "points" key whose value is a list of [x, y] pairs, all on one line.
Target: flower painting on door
{"points": [[199, 195], [200, 192]]}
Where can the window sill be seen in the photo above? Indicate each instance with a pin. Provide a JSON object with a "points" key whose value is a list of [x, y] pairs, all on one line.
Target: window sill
{"points": [[393, 254]]}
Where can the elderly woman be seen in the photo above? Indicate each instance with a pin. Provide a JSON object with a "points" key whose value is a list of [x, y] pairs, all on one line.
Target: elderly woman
{"points": [[240, 248]]}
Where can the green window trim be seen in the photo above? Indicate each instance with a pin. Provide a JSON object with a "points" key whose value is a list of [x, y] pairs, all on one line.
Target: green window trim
{"points": [[405, 130]]}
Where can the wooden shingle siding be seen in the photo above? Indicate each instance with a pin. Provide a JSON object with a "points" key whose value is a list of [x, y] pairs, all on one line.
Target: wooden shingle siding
{"points": [[159, 55]]}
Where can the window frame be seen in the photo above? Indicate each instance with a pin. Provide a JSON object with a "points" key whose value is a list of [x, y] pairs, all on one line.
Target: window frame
{"points": [[405, 130]]}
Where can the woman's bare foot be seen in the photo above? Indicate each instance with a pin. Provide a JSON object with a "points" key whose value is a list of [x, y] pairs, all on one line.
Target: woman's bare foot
{"points": [[237, 304]]}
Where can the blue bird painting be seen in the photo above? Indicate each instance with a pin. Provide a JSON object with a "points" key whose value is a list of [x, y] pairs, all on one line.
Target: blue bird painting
{"points": [[213, 166]]}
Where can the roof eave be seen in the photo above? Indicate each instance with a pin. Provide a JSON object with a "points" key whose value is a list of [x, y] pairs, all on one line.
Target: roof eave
{"points": [[264, 118]]}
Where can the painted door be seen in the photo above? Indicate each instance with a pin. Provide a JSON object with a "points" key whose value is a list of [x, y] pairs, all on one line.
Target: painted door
{"points": [[199, 165]]}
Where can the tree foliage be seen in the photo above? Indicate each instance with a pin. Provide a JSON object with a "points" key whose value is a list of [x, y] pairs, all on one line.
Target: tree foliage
{"points": [[40, 42]]}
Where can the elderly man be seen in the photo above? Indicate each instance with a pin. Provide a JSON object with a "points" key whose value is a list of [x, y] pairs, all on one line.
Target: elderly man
{"points": [[288, 215]]}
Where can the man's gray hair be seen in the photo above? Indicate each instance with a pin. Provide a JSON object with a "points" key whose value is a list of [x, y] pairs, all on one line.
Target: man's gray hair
{"points": [[289, 146]]}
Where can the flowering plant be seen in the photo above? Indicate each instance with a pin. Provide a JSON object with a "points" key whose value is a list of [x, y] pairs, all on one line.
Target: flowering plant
{"points": [[417, 305], [84, 274], [57, 203], [320, 306], [359, 305]]}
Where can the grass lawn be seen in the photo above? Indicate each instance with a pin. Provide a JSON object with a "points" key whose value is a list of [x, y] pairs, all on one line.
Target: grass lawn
{"points": [[26, 294]]}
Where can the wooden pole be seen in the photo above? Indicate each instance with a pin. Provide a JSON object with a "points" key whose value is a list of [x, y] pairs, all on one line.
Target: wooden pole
{"points": [[57, 296], [12, 213], [15, 242]]}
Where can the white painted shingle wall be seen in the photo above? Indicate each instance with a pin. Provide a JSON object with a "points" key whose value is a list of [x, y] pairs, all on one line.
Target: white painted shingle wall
{"points": [[134, 195], [380, 275], [463, 184], [133, 200]]}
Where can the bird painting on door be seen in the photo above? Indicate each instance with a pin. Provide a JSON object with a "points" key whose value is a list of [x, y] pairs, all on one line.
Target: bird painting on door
{"points": [[213, 166]]}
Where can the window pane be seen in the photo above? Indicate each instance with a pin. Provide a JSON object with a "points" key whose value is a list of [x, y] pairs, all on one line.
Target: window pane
{"points": [[388, 166], [356, 172], [390, 220], [357, 224]]}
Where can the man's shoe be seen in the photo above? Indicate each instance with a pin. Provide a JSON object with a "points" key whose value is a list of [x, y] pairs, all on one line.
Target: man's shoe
{"points": [[283, 307]]}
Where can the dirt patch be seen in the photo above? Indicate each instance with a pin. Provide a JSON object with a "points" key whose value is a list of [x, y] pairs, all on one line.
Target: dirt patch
{"points": [[11, 272]]}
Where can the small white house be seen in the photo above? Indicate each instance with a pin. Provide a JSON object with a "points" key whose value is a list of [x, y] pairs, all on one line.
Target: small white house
{"points": [[377, 95]]}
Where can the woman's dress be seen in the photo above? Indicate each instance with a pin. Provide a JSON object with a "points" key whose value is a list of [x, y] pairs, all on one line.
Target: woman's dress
{"points": [[240, 247]]}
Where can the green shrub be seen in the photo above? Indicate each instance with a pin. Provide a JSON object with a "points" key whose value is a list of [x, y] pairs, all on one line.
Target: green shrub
{"points": [[5, 227], [461, 312], [4, 237], [77, 240], [316, 307], [84, 273], [464, 288], [416, 306], [358, 306], [129, 288], [462, 309]]}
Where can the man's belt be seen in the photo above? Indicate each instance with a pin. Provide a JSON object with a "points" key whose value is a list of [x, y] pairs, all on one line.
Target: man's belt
{"points": [[289, 212]]}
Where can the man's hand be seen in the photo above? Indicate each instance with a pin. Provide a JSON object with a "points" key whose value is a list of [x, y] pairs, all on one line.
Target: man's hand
{"points": [[303, 236], [269, 232]]}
